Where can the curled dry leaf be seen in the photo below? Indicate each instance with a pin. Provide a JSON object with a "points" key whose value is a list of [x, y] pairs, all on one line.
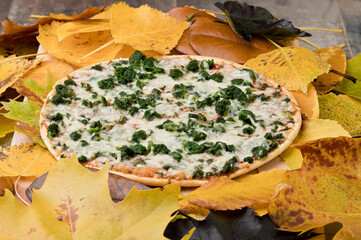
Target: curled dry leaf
{"points": [[13, 30], [292, 67], [61, 208], [336, 57], [345, 112], [27, 115], [312, 129], [308, 102], [326, 189], [226, 194], [145, 28], [28, 159], [38, 82], [13, 70], [73, 48]]}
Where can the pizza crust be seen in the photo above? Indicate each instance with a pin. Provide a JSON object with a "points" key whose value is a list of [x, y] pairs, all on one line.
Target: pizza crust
{"points": [[151, 181]]}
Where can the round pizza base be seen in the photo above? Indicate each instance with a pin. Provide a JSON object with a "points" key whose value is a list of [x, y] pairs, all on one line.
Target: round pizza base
{"points": [[151, 181]]}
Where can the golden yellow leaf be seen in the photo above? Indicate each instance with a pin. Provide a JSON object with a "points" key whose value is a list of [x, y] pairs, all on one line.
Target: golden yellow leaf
{"points": [[75, 203], [189, 234], [26, 160], [345, 112], [6, 125], [226, 194], [336, 57], [13, 70], [326, 189], [311, 130], [73, 48], [145, 28], [81, 26], [292, 67], [190, 208], [308, 102]]}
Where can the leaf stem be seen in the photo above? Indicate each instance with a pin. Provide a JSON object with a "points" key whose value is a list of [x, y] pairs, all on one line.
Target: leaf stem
{"points": [[98, 49], [23, 56], [37, 16], [343, 75], [322, 29], [17, 193], [309, 42], [273, 42]]}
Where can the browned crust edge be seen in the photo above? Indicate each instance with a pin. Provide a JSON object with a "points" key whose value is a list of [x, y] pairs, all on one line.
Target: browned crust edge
{"points": [[194, 182]]}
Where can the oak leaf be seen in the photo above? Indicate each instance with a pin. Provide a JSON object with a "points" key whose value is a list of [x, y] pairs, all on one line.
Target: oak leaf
{"points": [[28, 159], [312, 129], [75, 203], [345, 112], [145, 28], [292, 67], [326, 189], [308, 102], [226, 194], [27, 115], [336, 57], [13, 70], [73, 48]]}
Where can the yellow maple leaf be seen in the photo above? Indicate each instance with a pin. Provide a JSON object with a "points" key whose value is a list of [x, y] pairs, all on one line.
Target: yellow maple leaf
{"points": [[326, 189], [344, 111], [311, 130], [292, 67], [74, 47], [26, 160], [145, 28], [336, 57], [13, 70], [308, 102], [226, 194], [6, 126], [75, 203]]}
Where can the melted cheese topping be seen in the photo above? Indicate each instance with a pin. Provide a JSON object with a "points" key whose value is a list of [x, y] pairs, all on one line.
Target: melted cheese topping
{"points": [[270, 106]]}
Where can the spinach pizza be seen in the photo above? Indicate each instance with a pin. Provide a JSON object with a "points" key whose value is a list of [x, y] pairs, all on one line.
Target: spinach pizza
{"points": [[179, 119]]}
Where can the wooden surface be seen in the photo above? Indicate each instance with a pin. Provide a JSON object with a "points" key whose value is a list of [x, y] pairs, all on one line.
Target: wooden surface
{"points": [[332, 14]]}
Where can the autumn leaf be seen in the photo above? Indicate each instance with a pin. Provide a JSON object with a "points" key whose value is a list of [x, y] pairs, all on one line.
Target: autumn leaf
{"points": [[312, 129], [292, 67], [26, 160], [353, 67], [326, 189], [308, 102], [6, 126], [75, 203], [226, 194], [73, 48], [145, 28], [336, 57], [345, 112], [27, 115], [13, 70], [13, 30]]}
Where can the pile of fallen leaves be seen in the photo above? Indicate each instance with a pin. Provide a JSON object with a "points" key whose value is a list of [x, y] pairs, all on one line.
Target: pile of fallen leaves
{"points": [[322, 189]]}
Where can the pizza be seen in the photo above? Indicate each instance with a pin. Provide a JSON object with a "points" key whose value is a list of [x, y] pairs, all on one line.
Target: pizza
{"points": [[182, 119]]}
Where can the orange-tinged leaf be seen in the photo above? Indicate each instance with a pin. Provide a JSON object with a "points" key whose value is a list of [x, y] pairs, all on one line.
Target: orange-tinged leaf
{"points": [[190, 208], [145, 28], [345, 112], [326, 189], [82, 26], [6, 126], [292, 67], [336, 57], [27, 115], [13, 70], [38, 82], [308, 102], [75, 203], [73, 48], [25, 160], [226, 194], [312, 130], [13, 30]]}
